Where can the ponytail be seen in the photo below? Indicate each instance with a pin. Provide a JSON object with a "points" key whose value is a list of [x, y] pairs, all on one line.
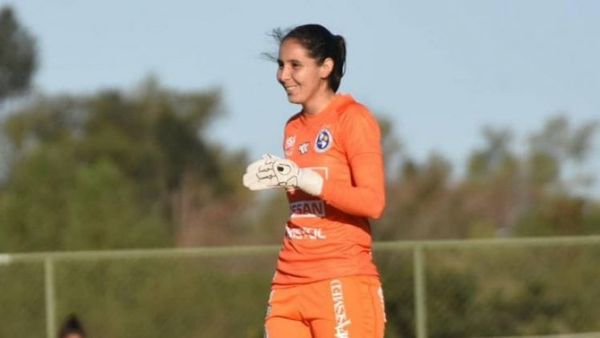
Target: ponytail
{"points": [[339, 62]]}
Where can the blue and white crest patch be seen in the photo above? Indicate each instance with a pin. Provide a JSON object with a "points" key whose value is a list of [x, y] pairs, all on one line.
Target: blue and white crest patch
{"points": [[324, 140]]}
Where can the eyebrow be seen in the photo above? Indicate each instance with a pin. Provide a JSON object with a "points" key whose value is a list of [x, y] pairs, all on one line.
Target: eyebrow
{"points": [[291, 60]]}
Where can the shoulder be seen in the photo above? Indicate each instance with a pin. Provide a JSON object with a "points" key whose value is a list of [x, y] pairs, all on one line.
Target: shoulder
{"points": [[354, 112], [293, 120], [358, 129]]}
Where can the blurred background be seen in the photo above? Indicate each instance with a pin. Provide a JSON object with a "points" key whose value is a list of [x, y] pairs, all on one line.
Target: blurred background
{"points": [[128, 125]]}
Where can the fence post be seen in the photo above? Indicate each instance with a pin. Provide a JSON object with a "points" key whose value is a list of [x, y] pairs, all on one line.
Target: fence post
{"points": [[420, 294], [50, 300]]}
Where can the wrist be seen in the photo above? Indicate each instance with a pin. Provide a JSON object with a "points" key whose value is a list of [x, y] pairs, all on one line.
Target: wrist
{"points": [[310, 182]]}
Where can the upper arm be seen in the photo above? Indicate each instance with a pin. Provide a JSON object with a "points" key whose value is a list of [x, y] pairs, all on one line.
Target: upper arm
{"points": [[362, 144]]}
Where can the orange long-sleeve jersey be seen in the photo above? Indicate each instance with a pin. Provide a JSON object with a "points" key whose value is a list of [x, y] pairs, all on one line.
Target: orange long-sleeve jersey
{"points": [[330, 236]]}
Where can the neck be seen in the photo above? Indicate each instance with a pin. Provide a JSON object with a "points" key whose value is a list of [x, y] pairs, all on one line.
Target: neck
{"points": [[318, 103]]}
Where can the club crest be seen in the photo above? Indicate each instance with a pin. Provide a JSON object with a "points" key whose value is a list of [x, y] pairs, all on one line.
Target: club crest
{"points": [[324, 140]]}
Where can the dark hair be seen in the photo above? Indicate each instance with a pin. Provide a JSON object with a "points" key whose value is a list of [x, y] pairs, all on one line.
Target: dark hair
{"points": [[72, 325], [320, 44]]}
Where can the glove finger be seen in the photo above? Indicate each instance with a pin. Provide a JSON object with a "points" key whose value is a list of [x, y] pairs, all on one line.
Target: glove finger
{"points": [[248, 179], [265, 171], [260, 180], [253, 167], [270, 158], [259, 186], [253, 183]]}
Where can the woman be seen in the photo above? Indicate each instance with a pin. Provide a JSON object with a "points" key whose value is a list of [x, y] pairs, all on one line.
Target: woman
{"points": [[325, 284], [72, 328]]}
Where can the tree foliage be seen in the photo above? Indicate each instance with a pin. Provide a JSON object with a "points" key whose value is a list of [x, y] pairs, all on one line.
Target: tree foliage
{"points": [[118, 170], [543, 190], [17, 55]]}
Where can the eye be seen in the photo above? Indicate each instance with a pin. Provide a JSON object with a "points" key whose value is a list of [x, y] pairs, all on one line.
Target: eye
{"points": [[296, 64], [279, 64]]}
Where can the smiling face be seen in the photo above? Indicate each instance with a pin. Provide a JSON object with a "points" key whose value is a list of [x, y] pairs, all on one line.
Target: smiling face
{"points": [[302, 77]]}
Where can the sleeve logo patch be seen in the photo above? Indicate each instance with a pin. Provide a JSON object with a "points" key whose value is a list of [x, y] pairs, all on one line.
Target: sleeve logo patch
{"points": [[289, 145], [290, 141], [324, 140]]}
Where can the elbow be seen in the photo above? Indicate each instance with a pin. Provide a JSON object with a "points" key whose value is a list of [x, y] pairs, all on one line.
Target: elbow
{"points": [[377, 209]]}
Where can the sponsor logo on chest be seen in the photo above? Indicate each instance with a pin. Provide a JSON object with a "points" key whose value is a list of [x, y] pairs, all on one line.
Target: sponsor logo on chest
{"points": [[315, 208], [305, 233]]}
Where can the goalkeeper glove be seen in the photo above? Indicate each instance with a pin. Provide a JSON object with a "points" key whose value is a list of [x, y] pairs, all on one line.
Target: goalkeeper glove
{"points": [[273, 172]]}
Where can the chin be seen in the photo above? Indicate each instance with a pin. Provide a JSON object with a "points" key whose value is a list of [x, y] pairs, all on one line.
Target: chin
{"points": [[295, 100]]}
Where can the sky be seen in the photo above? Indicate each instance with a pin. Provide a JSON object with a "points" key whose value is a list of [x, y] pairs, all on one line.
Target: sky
{"points": [[440, 70]]}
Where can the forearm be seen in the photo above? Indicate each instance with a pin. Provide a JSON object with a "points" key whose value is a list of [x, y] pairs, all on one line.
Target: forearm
{"points": [[366, 197], [356, 201]]}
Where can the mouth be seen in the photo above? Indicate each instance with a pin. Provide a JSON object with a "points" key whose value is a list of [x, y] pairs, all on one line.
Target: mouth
{"points": [[290, 89]]}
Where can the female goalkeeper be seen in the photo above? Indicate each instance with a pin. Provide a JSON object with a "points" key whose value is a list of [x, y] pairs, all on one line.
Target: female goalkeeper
{"points": [[326, 284]]}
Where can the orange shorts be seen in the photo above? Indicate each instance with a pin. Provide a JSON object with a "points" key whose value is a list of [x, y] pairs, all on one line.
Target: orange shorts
{"points": [[346, 307]]}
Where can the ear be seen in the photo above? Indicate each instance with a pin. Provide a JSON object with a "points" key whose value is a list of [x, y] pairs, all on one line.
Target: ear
{"points": [[326, 68]]}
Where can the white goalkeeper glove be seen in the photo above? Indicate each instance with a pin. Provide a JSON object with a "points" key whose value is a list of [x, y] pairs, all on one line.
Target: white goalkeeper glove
{"points": [[273, 172]]}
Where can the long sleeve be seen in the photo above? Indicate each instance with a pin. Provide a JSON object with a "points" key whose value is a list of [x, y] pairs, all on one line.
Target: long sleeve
{"points": [[361, 140]]}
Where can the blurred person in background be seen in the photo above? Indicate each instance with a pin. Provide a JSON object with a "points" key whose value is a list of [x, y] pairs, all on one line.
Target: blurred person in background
{"points": [[72, 328], [325, 284]]}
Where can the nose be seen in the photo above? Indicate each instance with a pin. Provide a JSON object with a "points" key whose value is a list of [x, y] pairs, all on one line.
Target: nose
{"points": [[283, 74]]}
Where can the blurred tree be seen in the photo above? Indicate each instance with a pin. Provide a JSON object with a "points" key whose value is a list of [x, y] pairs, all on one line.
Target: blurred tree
{"points": [[558, 148], [495, 155], [492, 185], [392, 146], [267, 214], [53, 203], [503, 192], [419, 203], [556, 179], [17, 56], [112, 163]]}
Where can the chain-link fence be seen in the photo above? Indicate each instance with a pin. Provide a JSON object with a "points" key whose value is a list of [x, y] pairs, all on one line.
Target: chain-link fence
{"points": [[489, 288]]}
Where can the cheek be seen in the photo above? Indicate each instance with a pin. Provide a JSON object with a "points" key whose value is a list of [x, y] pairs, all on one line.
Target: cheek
{"points": [[301, 76]]}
